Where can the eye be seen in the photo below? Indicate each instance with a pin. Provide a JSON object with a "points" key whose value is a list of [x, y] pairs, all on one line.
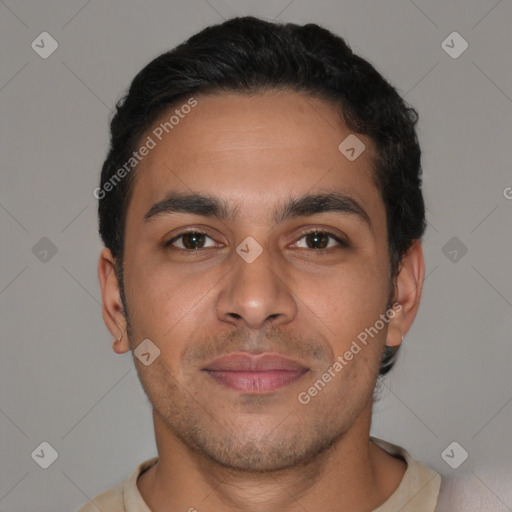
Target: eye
{"points": [[190, 241], [314, 239], [320, 240]]}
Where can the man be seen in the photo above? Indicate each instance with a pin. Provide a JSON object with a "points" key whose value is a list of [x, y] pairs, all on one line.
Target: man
{"points": [[262, 215]]}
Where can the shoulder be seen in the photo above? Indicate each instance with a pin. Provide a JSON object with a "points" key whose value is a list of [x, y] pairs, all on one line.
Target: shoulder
{"points": [[419, 488], [124, 496], [111, 500]]}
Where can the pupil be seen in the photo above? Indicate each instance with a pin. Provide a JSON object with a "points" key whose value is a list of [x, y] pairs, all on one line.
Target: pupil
{"points": [[193, 239], [317, 239]]}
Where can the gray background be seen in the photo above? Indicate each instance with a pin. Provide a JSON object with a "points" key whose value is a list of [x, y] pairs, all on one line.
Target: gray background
{"points": [[60, 380]]}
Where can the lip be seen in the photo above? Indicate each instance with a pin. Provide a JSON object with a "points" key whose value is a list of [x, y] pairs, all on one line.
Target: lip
{"points": [[262, 373]]}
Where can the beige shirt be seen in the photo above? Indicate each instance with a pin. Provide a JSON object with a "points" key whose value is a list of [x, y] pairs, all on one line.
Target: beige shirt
{"points": [[418, 491]]}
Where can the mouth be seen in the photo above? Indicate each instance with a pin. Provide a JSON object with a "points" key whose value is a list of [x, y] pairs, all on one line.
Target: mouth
{"points": [[257, 374]]}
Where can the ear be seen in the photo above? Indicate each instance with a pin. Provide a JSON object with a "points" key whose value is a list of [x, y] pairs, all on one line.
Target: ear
{"points": [[113, 312], [408, 289]]}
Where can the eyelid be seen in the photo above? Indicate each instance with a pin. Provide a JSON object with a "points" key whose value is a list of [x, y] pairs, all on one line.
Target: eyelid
{"points": [[342, 243], [187, 231]]}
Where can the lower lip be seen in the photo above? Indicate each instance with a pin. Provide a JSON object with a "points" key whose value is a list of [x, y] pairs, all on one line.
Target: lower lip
{"points": [[256, 382]]}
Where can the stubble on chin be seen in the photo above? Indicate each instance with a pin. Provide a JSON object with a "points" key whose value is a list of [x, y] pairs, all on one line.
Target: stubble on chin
{"points": [[297, 435]]}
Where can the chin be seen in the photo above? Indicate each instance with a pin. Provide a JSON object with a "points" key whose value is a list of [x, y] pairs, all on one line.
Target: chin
{"points": [[261, 450]]}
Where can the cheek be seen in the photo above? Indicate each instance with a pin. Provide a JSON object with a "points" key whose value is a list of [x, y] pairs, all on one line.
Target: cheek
{"points": [[349, 295], [162, 302], [348, 301]]}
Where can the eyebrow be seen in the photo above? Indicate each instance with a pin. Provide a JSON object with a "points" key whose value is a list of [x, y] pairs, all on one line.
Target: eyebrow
{"points": [[211, 206]]}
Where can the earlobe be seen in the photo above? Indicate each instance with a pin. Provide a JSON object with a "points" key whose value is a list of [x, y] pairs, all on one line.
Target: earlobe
{"points": [[113, 314], [395, 336], [408, 290], [119, 346]]}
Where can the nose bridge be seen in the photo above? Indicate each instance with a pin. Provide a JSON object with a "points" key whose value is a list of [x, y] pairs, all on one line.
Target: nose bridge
{"points": [[255, 292]]}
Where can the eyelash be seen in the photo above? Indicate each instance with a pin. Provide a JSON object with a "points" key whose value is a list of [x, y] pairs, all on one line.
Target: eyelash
{"points": [[341, 242]]}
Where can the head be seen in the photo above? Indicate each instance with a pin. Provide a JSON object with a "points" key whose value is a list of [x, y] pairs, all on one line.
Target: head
{"points": [[241, 126]]}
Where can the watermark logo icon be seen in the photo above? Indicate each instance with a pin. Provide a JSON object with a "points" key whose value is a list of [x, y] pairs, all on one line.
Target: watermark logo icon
{"points": [[44, 45], [44, 250], [45, 455], [146, 352], [454, 249], [352, 147], [454, 455], [249, 249], [454, 45]]}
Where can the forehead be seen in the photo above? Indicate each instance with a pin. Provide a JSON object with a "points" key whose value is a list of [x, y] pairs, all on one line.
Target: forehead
{"points": [[253, 150]]}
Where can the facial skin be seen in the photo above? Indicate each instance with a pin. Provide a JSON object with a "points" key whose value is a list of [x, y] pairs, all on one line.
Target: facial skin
{"points": [[219, 447]]}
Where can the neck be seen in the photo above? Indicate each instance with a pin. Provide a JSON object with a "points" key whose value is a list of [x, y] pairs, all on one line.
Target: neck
{"points": [[353, 474]]}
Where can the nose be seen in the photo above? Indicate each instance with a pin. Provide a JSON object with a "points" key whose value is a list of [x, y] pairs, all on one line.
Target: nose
{"points": [[256, 293]]}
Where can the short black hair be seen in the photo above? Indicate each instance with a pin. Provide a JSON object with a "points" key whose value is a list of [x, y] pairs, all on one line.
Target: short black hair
{"points": [[249, 55]]}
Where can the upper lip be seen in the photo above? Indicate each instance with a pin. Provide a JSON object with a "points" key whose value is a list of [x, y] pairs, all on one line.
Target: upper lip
{"points": [[239, 362]]}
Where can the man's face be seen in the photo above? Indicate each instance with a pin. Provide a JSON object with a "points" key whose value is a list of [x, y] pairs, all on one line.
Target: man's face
{"points": [[304, 298]]}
